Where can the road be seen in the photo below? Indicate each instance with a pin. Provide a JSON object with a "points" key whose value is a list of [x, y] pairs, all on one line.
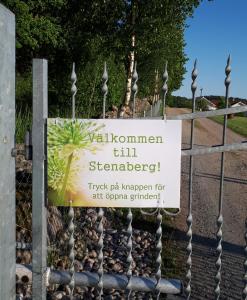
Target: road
{"points": [[206, 182]]}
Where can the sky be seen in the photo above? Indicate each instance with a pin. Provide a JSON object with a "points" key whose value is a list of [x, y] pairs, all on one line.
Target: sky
{"points": [[217, 29]]}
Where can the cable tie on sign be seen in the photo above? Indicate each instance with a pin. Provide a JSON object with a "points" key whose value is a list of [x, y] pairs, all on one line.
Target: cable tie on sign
{"points": [[171, 214], [149, 213], [57, 120], [46, 276]]}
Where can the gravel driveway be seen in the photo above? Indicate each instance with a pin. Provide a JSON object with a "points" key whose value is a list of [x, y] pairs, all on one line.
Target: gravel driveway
{"points": [[205, 210]]}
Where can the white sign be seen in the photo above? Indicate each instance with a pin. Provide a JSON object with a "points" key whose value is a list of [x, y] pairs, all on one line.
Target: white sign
{"points": [[114, 163]]}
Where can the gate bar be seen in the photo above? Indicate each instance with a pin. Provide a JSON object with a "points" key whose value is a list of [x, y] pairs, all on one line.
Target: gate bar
{"points": [[215, 149], [110, 281], [39, 223], [207, 114], [118, 282]]}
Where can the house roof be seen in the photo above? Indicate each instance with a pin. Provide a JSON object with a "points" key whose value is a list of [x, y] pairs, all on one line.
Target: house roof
{"points": [[208, 101], [238, 104]]}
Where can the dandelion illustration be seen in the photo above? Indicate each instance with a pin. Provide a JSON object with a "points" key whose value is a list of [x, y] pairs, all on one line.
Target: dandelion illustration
{"points": [[66, 140]]}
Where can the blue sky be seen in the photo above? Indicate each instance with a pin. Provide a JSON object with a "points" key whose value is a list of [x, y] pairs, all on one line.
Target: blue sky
{"points": [[218, 28]]}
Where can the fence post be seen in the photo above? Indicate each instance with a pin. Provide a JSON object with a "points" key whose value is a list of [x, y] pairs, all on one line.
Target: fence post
{"points": [[39, 225], [7, 162]]}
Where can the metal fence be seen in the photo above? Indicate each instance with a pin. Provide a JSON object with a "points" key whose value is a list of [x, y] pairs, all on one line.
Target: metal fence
{"points": [[122, 282], [76, 252]]}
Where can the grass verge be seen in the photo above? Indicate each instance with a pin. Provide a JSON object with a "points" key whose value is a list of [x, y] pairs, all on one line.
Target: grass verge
{"points": [[23, 123], [236, 124]]}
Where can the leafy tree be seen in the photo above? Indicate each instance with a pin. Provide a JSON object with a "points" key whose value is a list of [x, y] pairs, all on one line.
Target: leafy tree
{"points": [[89, 32], [39, 30], [201, 104], [222, 102]]}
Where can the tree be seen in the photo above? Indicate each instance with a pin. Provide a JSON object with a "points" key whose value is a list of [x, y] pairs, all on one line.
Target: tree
{"points": [[89, 32], [39, 30], [201, 104], [156, 30], [222, 102]]}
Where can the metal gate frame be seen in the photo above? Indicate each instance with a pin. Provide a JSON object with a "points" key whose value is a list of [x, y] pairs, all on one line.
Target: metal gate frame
{"points": [[128, 282], [7, 161]]}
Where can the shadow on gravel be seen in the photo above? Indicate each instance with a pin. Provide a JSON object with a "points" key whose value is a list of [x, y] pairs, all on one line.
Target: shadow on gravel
{"points": [[208, 242], [217, 177], [204, 257]]}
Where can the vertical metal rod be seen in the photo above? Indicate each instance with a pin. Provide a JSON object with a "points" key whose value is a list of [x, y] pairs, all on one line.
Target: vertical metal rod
{"points": [[245, 264], [164, 89], [130, 215], [7, 162], [71, 229], [156, 86], [159, 252], [71, 226], [157, 94], [101, 210], [134, 89], [191, 165], [222, 169], [73, 89], [104, 88], [159, 215], [129, 257], [39, 212], [155, 77], [100, 251]]}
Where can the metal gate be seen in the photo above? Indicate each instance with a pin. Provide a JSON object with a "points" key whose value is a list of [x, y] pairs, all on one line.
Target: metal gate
{"points": [[40, 274]]}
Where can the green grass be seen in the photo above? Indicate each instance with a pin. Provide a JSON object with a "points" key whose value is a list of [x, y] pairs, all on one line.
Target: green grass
{"points": [[23, 123], [236, 124]]}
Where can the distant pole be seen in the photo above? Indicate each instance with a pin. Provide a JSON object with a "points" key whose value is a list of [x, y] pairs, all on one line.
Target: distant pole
{"points": [[201, 89]]}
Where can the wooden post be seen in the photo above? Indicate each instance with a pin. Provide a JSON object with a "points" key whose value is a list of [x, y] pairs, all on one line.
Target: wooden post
{"points": [[39, 221], [7, 162]]}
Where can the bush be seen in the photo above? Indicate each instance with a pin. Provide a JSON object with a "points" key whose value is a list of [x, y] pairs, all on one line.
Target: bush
{"points": [[177, 101]]}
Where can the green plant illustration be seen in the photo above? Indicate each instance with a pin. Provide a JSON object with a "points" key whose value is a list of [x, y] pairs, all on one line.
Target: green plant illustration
{"points": [[66, 139]]}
